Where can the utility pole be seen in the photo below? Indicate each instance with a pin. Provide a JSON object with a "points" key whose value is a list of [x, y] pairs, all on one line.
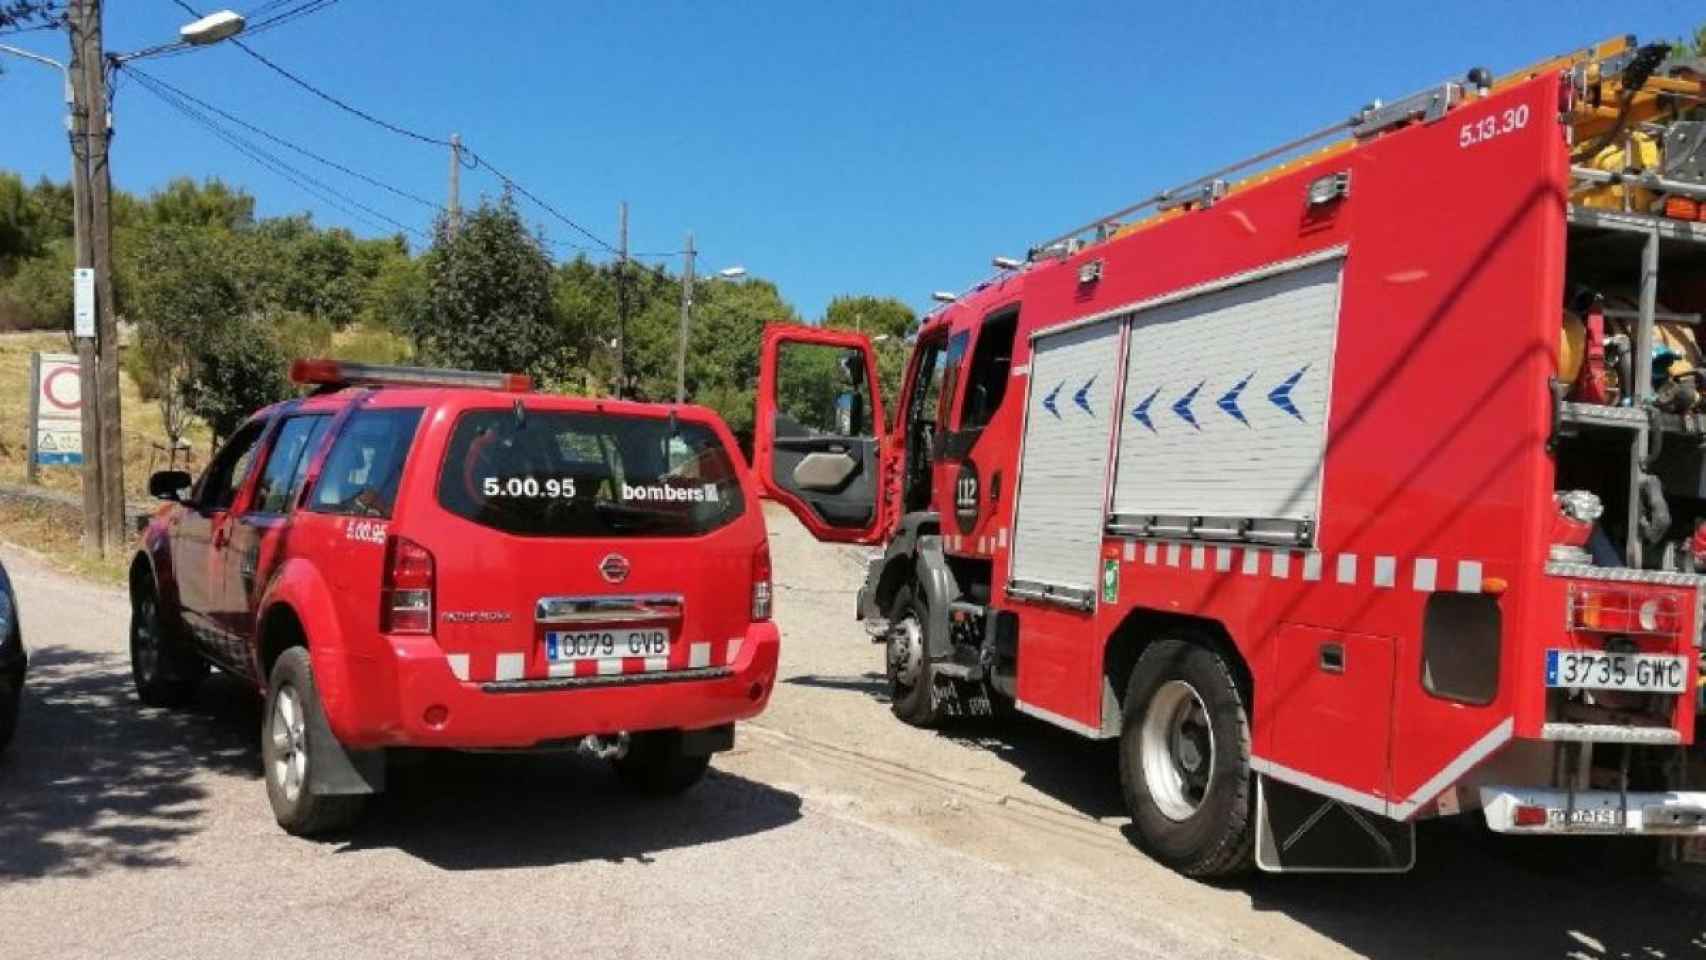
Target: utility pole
{"points": [[686, 311], [83, 22], [455, 206], [106, 322], [621, 298]]}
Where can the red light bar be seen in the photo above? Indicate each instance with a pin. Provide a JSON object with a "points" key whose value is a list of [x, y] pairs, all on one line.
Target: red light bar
{"points": [[324, 372]]}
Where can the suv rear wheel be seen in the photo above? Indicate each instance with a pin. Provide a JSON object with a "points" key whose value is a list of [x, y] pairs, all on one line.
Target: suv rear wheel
{"points": [[657, 763], [166, 672], [1185, 760], [288, 754]]}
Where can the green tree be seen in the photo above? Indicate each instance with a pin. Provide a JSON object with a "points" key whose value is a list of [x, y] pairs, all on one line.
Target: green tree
{"points": [[240, 370], [890, 323], [489, 298], [1691, 46], [208, 204], [184, 302]]}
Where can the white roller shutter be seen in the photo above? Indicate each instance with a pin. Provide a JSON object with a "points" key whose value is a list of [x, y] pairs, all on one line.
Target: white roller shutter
{"points": [[1063, 470], [1226, 400]]}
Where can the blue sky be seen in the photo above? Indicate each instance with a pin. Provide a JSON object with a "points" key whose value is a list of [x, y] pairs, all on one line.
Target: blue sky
{"points": [[885, 148]]}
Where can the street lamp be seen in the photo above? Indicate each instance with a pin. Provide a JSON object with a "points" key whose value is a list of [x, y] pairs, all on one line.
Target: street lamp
{"points": [[212, 28]]}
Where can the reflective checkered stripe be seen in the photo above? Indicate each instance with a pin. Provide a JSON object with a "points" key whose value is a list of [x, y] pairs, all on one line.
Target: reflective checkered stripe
{"points": [[1380, 571], [984, 546], [531, 665]]}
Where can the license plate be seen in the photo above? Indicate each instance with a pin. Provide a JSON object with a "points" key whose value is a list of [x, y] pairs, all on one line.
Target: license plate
{"points": [[568, 646], [1635, 672], [1593, 818]]}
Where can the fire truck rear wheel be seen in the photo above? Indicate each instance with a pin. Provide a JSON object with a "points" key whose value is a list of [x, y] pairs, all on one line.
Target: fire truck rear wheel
{"points": [[911, 677], [288, 756], [164, 670], [1185, 760]]}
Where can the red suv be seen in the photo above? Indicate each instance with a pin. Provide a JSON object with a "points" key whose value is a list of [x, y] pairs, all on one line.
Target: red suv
{"points": [[429, 558]]}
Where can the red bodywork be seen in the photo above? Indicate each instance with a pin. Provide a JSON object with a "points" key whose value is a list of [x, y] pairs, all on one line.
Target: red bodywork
{"points": [[1437, 434], [229, 578]]}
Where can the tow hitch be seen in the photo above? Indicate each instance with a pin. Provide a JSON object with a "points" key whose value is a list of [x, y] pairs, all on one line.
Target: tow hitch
{"points": [[605, 747]]}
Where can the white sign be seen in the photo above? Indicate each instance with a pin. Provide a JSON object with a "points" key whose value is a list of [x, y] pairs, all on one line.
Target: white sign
{"points": [[83, 306], [58, 405]]}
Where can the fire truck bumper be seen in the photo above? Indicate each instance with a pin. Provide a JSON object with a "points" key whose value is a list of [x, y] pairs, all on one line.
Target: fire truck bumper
{"points": [[1547, 811]]}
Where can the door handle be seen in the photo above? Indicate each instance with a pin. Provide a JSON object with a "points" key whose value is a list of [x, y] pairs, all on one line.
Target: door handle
{"points": [[1333, 658]]}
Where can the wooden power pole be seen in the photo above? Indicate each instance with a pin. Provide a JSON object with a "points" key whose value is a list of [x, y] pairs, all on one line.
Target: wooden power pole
{"points": [[621, 299], [686, 320], [94, 251], [455, 207]]}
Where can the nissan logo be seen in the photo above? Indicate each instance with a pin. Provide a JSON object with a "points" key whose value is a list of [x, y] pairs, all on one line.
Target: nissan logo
{"points": [[614, 567]]}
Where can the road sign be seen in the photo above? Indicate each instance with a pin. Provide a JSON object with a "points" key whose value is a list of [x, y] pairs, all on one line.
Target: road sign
{"points": [[83, 302], [56, 410]]}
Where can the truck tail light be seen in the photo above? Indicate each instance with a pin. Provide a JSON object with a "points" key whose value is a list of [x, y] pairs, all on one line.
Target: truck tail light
{"points": [[761, 594], [406, 598], [1604, 609]]}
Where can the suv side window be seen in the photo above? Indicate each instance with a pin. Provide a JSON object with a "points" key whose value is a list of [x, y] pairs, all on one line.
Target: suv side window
{"points": [[287, 463], [363, 470], [225, 475]]}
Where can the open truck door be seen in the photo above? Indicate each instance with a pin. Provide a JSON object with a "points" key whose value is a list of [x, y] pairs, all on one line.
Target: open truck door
{"points": [[817, 446]]}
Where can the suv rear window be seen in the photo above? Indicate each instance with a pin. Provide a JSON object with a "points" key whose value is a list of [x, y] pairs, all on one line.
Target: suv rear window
{"points": [[561, 474]]}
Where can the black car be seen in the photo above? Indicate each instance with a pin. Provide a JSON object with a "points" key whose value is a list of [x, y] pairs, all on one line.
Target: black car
{"points": [[12, 660]]}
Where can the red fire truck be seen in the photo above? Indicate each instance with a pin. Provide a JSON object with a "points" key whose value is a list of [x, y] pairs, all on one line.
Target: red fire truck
{"points": [[1342, 496]]}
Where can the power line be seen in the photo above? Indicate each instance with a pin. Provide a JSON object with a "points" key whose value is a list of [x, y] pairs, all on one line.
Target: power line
{"points": [[254, 24], [510, 182], [474, 159], [417, 198], [308, 183]]}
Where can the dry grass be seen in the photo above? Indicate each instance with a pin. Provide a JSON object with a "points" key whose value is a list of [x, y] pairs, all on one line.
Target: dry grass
{"points": [[46, 533]]}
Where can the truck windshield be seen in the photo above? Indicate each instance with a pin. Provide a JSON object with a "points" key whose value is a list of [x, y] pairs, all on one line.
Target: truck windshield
{"points": [[560, 474]]}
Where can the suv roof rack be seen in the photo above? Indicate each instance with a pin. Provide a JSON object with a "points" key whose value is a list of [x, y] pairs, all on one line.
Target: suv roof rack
{"points": [[328, 374]]}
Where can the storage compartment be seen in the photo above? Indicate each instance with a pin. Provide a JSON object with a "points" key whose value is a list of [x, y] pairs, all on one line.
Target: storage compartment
{"points": [[1630, 395]]}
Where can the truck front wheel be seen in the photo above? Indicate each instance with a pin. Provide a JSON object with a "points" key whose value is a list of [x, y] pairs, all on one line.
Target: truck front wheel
{"points": [[165, 671], [1185, 760], [911, 679]]}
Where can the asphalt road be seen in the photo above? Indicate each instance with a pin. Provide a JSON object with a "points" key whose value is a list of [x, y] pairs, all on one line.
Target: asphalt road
{"points": [[831, 831]]}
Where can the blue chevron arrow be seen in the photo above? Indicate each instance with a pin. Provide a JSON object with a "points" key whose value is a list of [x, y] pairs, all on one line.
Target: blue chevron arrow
{"points": [[1229, 401], [1082, 397], [1140, 413], [1048, 401], [1182, 406], [1280, 396]]}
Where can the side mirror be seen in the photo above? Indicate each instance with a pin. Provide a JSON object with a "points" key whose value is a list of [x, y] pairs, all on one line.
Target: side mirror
{"points": [[169, 484]]}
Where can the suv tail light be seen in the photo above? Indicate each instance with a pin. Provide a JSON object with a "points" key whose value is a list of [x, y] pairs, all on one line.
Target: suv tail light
{"points": [[761, 582], [1606, 609], [406, 598]]}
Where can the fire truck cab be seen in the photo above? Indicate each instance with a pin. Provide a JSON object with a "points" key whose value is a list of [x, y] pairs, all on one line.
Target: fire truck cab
{"points": [[1342, 496]]}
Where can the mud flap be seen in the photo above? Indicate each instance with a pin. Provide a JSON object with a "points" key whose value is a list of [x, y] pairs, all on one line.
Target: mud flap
{"points": [[1302, 832], [334, 770]]}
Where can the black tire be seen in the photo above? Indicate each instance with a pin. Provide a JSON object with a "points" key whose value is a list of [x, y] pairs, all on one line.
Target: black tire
{"points": [[1193, 814], [914, 703], [656, 764], [288, 752], [11, 693], [165, 670]]}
